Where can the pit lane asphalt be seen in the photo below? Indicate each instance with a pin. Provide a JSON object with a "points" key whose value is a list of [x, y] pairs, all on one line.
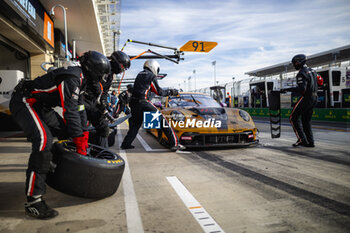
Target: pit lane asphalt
{"points": [[271, 187]]}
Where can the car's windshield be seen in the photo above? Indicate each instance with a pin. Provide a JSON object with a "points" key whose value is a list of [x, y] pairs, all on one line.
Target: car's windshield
{"points": [[192, 100]]}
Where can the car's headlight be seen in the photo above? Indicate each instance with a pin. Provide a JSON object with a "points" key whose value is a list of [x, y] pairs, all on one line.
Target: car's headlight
{"points": [[177, 116], [245, 116]]}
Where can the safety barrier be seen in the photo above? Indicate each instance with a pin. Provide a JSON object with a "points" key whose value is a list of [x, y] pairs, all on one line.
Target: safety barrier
{"points": [[319, 114]]}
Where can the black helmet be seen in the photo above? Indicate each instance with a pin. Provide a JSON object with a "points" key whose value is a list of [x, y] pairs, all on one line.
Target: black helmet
{"points": [[130, 87], [119, 62], [94, 65], [299, 61]]}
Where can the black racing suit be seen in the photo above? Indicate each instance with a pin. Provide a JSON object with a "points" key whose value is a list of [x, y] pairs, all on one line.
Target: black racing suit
{"points": [[307, 87], [139, 104], [32, 106], [106, 84], [96, 111], [96, 108], [123, 100]]}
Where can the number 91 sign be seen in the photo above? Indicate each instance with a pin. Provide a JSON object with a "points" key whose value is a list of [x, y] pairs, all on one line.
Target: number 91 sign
{"points": [[198, 46]]}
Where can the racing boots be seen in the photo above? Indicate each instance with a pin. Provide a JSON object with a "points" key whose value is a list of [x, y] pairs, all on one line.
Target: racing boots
{"points": [[178, 147], [300, 143], [37, 208]]}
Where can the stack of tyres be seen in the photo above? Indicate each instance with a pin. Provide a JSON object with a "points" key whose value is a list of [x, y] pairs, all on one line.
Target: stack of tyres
{"points": [[275, 113], [96, 175]]}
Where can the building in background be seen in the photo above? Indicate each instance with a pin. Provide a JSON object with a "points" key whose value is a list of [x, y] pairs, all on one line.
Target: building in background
{"points": [[29, 36], [31, 40]]}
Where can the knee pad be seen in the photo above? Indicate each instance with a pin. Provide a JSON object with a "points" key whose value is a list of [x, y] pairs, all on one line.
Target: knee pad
{"points": [[40, 161]]}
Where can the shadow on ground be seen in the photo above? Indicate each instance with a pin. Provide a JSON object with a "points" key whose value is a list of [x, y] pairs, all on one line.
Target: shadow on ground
{"points": [[13, 198]]}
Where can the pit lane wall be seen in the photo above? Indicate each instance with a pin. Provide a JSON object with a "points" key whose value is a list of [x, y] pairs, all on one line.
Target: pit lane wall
{"points": [[320, 114]]}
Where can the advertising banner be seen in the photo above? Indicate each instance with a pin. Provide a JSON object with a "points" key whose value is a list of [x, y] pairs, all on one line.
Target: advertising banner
{"points": [[319, 114]]}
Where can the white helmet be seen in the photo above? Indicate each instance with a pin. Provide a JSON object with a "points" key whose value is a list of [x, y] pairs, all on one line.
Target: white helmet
{"points": [[153, 66]]}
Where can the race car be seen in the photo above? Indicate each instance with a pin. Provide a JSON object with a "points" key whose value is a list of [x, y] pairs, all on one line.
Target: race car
{"points": [[200, 121]]}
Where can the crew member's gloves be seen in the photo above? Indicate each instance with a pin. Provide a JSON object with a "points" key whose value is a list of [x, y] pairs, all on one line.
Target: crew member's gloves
{"points": [[86, 139], [109, 117], [174, 92], [80, 144]]}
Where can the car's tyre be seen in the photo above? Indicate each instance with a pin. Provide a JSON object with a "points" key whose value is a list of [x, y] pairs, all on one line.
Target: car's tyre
{"points": [[96, 175]]}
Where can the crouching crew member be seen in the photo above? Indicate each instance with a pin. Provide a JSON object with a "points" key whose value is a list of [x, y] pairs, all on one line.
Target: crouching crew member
{"points": [[147, 80], [97, 91], [32, 106], [307, 87], [123, 101]]}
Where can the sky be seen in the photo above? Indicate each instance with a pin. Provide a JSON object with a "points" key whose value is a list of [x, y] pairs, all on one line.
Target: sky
{"points": [[250, 34]]}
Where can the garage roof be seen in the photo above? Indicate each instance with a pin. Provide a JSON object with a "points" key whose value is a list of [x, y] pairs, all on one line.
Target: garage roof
{"points": [[324, 58], [91, 23]]}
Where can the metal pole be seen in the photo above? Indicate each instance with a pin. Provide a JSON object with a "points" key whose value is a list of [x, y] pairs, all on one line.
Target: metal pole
{"points": [[233, 94], [65, 32], [165, 57], [215, 73], [114, 33], [214, 64], [74, 50], [65, 26], [151, 44], [195, 80], [157, 57]]}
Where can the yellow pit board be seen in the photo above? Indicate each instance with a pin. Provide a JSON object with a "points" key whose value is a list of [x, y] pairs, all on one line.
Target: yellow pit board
{"points": [[198, 46]]}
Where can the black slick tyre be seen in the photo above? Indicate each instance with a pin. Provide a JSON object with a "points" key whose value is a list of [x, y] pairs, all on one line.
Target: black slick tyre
{"points": [[96, 175]]}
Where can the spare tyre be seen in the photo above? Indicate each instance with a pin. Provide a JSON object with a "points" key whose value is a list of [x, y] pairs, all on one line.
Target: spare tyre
{"points": [[96, 175]]}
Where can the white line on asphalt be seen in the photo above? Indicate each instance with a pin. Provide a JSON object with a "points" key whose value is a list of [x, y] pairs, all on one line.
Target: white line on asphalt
{"points": [[146, 146], [207, 223], [133, 218]]}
